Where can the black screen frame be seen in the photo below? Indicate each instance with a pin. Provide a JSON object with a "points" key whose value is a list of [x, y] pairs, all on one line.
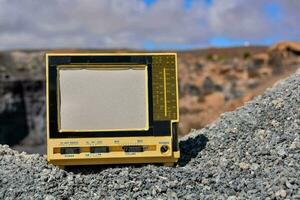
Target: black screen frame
{"points": [[156, 128]]}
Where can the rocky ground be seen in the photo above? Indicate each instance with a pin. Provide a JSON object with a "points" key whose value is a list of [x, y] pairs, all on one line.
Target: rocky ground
{"points": [[251, 153]]}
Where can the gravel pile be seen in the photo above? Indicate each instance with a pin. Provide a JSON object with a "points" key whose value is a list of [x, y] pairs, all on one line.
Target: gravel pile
{"points": [[251, 153]]}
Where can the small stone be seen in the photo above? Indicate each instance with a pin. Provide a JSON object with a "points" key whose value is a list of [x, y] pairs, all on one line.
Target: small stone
{"points": [[172, 195], [295, 144], [223, 162], [281, 152], [288, 184], [231, 198], [49, 197], [254, 166], [153, 192], [204, 181], [190, 196], [70, 178], [278, 103], [244, 165], [281, 193], [261, 133], [275, 123], [4, 180]]}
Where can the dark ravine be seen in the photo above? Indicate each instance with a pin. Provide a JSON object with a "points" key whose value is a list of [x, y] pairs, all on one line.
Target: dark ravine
{"points": [[22, 98], [251, 153]]}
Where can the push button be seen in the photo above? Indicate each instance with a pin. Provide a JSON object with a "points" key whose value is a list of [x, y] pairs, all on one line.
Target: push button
{"points": [[70, 150], [99, 149], [133, 148]]}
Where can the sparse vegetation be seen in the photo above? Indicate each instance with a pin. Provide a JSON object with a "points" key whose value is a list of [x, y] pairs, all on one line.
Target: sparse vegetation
{"points": [[247, 55]]}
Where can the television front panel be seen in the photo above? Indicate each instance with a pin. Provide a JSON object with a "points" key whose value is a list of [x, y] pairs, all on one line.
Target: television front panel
{"points": [[111, 108]]}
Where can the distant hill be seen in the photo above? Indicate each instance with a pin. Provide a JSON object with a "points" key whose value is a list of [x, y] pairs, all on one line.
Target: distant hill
{"points": [[227, 52]]}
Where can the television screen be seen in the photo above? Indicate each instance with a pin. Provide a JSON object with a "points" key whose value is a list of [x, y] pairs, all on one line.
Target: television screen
{"points": [[100, 99]]}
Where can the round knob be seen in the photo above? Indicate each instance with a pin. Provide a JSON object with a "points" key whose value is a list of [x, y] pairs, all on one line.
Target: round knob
{"points": [[164, 148]]}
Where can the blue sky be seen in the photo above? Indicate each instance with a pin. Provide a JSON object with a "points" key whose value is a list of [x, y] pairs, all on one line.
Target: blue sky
{"points": [[187, 4], [146, 24]]}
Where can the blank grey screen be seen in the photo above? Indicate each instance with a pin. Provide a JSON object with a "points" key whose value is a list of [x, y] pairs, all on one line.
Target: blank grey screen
{"points": [[103, 99]]}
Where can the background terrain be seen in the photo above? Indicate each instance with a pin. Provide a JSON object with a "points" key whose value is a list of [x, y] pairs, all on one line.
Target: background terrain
{"points": [[211, 81]]}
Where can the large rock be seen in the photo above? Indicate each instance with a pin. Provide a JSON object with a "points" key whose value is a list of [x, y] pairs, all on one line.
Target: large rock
{"points": [[281, 51], [286, 46]]}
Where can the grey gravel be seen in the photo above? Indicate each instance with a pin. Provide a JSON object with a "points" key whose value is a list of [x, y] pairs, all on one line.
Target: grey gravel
{"points": [[251, 153]]}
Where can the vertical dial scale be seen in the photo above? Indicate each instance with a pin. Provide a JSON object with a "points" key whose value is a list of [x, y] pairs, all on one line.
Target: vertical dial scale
{"points": [[164, 87]]}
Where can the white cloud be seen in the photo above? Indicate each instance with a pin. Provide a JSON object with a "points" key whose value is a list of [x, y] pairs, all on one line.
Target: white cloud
{"points": [[291, 19], [124, 24], [237, 19]]}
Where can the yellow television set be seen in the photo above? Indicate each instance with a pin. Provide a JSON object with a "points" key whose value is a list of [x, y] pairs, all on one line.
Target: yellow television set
{"points": [[111, 108]]}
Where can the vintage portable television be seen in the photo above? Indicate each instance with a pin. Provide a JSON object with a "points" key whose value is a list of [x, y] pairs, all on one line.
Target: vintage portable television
{"points": [[111, 108]]}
